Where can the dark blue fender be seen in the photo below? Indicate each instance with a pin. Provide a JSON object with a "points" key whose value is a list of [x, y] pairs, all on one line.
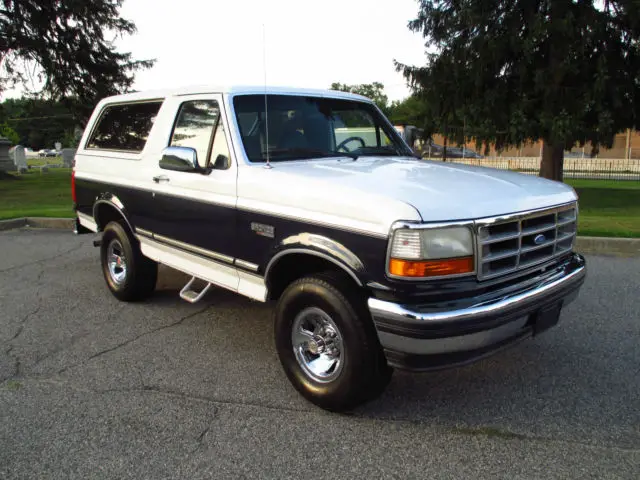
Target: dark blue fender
{"points": [[111, 200], [319, 246]]}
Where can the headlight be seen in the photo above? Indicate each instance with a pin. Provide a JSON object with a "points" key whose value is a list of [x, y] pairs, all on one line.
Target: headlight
{"points": [[432, 252]]}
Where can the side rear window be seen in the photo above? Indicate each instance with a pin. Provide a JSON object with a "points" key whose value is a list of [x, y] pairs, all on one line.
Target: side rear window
{"points": [[124, 127]]}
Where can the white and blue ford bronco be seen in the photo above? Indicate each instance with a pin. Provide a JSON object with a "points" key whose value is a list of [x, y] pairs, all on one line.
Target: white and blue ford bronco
{"points": [[375, 259]]}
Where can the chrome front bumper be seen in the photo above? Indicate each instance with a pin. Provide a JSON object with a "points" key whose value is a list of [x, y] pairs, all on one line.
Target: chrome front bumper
{"points": [[421, 337]]}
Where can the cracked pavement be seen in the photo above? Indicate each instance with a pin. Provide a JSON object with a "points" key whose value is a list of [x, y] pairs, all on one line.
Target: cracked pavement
{"points": [[94, 388]]}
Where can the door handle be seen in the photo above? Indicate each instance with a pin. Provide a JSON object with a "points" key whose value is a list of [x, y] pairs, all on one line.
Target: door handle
{"points": [[160, 178]]}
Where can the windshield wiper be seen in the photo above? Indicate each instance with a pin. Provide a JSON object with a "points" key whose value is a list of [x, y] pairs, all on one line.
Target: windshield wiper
{"points": [[382, 150], [309, 151]]}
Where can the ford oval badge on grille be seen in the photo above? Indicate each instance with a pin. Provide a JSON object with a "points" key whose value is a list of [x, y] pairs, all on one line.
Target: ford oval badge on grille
{"points": [[539, 239]]}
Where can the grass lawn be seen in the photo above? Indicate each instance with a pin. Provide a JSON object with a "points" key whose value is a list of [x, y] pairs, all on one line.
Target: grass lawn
{"points": [[37, 161], [608, 208], [36, 194]]}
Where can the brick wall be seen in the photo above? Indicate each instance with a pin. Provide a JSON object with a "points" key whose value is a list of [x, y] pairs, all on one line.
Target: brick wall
{"points": [[618, 149]]}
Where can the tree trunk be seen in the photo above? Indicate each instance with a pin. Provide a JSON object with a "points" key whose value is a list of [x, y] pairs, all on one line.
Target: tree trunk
{"points": [[552, 161], [444, 150]]}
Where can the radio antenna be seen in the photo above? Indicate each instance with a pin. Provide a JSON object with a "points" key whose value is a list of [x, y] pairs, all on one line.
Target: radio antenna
{"points": [[266, 111]]}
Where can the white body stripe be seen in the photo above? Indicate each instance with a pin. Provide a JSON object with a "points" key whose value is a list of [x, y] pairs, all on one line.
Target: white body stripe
{"points": [[225, 276], [87, 222], [252, 286]]}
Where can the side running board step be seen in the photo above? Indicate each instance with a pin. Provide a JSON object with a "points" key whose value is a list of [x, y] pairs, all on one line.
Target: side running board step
{"points": [[193, 296]]}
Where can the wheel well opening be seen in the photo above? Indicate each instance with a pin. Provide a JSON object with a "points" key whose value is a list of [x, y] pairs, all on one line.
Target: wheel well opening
{"points": [[297, 265], [106, 213]]}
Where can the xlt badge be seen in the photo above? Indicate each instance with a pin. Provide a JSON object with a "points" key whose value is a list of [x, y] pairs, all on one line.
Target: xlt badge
{"points": [[263, 230]]}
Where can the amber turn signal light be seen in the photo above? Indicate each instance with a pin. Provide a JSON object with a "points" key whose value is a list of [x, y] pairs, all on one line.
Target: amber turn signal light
{"points": [[430, 268]]}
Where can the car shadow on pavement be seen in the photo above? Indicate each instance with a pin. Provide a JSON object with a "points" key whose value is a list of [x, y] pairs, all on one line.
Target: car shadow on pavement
{"points": [[489, 387], [543, 388]]}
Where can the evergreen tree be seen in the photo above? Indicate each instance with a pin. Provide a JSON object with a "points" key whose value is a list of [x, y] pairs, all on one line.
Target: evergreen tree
{"points": [[69, 46], [564, 71]]}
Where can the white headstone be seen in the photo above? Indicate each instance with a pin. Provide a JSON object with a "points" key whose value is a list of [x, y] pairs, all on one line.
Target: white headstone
{"points": [[19, 157], [67, 156], [58, 145]]}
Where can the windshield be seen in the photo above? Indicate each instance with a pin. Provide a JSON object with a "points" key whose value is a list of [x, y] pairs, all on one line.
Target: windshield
{"points": [[311, 127]]}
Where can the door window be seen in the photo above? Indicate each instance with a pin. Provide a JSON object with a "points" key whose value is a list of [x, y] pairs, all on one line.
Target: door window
{"points": [[195, 126], [220, 159]]}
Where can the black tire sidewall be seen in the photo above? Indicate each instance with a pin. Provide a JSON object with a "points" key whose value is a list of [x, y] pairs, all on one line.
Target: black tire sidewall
{"points": [[115, 231], [359, 353]]}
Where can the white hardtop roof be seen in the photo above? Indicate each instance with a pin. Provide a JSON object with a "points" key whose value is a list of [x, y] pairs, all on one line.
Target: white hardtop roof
{"points": [[230, 89]]}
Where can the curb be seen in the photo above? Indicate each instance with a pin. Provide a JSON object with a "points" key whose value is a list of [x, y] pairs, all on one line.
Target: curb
{"points": [[625, 247], [13, 223], [37, 222]]}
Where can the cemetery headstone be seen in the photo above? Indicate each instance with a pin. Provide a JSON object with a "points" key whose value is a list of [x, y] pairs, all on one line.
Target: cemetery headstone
{"points": [[6, 163], [67, 156], [20, 158]]}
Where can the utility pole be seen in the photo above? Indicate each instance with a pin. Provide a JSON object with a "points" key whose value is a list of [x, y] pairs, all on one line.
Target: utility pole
{"points": [[628, 149]]}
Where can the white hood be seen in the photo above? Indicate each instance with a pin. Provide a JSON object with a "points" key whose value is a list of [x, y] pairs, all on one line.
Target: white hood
{"points": [[437, 191], [446, 191]]}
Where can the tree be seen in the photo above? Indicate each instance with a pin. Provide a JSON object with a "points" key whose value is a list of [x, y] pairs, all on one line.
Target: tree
{"points": [[67, 47], [512, 71], [39, 123], [409, 111], [374, 91], [9, 133]]}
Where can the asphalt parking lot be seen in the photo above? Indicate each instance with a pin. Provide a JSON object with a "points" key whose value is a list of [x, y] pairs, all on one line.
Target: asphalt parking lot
{"points": [[94, 388]]}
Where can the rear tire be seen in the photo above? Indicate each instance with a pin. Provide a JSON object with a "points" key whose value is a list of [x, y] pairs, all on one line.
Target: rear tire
{"points": [[130, 275], [327, 344]]}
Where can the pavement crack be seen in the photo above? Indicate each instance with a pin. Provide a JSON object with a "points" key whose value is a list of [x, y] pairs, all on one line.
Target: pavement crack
{"points": [[134, 339], [60, 348], [37, 262], [202, 398], [203, 434], [170, 392], [22, 323], [158, 390], [16, 365], [500, 434], [24, 319]]}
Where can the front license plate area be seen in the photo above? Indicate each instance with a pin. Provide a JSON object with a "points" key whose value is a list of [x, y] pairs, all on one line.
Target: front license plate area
{"points": [[546, 318]]}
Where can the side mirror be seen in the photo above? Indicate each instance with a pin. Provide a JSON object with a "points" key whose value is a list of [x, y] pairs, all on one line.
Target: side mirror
{"points": [[221, 163], [180, 159]]}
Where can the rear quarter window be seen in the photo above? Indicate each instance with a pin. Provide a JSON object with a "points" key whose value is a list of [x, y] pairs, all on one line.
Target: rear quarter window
{"points": [[124, 127]]}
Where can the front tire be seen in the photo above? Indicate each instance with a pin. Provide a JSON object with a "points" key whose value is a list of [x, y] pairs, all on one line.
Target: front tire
{"points": [[130, 275], [327, 344]]}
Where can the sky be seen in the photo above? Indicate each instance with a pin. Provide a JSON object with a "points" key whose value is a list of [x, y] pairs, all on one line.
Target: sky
{"points": [[308, 44]]}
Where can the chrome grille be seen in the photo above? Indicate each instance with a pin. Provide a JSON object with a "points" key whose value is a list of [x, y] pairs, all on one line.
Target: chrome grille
{"points": [[509, 244]]}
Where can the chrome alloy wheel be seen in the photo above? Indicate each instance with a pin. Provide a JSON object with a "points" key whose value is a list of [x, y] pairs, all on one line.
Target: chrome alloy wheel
{"points": [[317, 344], [117, 262]]}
